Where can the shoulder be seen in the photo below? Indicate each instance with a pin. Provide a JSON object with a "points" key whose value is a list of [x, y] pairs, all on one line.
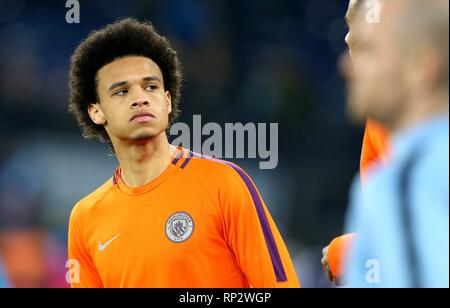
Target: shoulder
{"points": [[431, 172], [83, 207], [218, 174], [436, 152], [208, 170]]}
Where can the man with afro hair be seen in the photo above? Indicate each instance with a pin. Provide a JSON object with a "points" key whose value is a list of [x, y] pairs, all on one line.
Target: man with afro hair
{"points": [[168, 217]]}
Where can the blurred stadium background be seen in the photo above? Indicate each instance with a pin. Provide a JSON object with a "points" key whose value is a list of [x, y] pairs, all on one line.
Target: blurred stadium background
{"points": [[244, 61]]}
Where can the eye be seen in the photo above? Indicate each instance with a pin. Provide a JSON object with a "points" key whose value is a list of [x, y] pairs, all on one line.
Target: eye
{"points": [[151, 87], [121, 92]]}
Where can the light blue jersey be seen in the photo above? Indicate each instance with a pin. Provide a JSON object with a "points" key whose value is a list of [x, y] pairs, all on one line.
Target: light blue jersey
{"points": [[402, 215]]}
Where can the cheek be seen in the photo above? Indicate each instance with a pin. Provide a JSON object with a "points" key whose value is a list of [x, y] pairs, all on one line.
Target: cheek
{"points": [[114, 114], [390, 76], [365, 71], [162, 105], [377, 72], [390, 89]]}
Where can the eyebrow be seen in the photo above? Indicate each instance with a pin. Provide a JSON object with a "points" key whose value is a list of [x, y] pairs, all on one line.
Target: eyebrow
{"points": [[122, 83]]}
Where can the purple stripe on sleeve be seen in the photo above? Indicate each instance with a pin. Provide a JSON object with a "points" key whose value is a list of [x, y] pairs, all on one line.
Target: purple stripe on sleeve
{"points": [[268, 235], [114, 179]]}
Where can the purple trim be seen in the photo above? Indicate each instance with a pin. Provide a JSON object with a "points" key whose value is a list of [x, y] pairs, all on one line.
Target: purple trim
{"points": [[268, 235], [188, 159], [177, 158], [114, 176], [197, 155]]}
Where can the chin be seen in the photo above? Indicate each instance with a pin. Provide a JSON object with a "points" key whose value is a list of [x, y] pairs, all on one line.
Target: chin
{"points": [[142, 138], [144, 135], [356, 113]]}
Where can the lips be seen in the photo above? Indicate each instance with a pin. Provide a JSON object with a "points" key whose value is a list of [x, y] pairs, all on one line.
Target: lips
{"points": [[142, 117]]}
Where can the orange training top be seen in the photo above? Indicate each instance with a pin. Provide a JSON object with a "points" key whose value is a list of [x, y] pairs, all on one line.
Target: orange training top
{"points": [[202, 223]]}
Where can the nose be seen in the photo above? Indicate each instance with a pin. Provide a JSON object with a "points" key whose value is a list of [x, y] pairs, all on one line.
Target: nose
{"points": [[143, 102]]}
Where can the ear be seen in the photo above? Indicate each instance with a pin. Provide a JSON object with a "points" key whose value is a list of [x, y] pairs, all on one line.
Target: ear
{"points": [[431, 77], [417, 71], [169, 102], [96, 114]]}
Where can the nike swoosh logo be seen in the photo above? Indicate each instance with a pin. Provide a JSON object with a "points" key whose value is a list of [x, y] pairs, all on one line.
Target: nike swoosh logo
{"points": [[102, 247]]}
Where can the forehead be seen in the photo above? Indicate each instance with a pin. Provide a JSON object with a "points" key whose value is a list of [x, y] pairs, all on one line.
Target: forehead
{"points": [[352, 4], [127, 69], [354, 8]]}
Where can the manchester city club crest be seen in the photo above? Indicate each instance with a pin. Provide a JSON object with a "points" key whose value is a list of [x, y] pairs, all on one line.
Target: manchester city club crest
{"points": [[179, 227]]}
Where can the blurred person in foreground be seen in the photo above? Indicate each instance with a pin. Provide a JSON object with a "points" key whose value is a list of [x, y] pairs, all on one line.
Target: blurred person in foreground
{"points": [[168, 217], [374, 151], [400, 78]]}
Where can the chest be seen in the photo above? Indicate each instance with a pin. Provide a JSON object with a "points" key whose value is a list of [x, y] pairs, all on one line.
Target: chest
{"points": [[155, 233]]}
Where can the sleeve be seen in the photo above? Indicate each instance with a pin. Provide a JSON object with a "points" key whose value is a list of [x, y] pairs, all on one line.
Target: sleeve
{"points": [[338, 253], [253, 236], [82, 272]]}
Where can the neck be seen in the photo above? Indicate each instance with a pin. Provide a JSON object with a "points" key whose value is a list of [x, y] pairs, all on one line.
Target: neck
{"points": [[143, 161], [420, 111]]}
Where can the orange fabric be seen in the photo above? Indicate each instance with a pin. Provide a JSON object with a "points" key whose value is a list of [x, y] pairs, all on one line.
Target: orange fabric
{"points": [[120, 238], [375, 148], [337, 252]]}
